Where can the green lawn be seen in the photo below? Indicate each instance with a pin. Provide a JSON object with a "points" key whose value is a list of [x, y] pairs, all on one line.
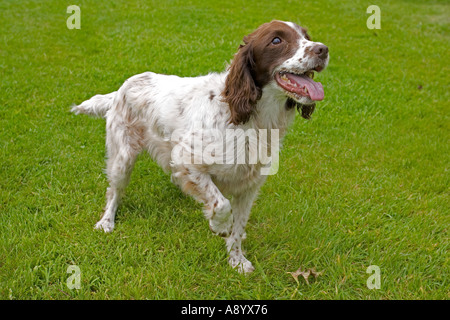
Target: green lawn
{"points": [[365, 182]]}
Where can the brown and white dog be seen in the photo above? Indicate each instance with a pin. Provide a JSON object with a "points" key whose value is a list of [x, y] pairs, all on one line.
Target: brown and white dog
{"points": [[270, 77]]}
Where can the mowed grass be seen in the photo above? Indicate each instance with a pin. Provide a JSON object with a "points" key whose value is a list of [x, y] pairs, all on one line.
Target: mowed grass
{"points": [[365, 182]]}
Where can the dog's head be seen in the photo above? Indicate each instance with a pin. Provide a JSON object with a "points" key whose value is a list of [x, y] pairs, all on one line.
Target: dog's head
{"points": [[281, 54]]}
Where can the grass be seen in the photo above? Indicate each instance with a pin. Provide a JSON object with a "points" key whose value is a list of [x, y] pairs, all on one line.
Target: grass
{"points": [[365, 182]]}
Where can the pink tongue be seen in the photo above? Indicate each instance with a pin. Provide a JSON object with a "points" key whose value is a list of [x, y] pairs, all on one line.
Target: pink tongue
{"points": [[315, 89]]}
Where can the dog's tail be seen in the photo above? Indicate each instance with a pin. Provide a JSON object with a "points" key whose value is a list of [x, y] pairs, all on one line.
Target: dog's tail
{"points": [[97, 106]]}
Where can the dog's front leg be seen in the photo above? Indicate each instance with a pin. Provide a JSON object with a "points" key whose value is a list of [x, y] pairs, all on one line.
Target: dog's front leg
{"points": [[242, 205], [217, 208]]}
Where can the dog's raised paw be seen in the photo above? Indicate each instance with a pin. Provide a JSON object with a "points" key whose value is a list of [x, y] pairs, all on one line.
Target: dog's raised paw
{"points": [[221, 227]]}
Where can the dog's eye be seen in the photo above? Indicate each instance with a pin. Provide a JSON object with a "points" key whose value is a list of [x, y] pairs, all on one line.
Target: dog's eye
{"points": [[276, 40]]}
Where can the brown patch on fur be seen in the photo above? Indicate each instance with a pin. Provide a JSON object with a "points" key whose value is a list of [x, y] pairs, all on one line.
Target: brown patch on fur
{"points": [[191, 188], [309, 53], [136, 134]]}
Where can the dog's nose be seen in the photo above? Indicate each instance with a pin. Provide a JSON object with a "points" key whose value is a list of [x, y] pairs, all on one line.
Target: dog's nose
{"points": [[321, 51]]}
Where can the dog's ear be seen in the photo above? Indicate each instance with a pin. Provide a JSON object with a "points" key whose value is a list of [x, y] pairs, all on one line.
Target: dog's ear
{"points": [[241, 92]]}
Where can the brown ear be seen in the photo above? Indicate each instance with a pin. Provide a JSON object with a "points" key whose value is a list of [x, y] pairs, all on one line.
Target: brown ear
{"points": [[241, 92]]}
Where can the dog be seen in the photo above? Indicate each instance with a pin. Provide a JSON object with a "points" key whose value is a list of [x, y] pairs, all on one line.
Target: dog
{"points": [[269, 78]]}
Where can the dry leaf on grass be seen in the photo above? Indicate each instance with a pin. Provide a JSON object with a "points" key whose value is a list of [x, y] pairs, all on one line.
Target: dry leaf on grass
{"points": [[305, 274]]}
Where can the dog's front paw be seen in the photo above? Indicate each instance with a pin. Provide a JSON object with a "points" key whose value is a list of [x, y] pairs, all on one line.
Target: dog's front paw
{"points": [[221, 222], [221, 228], [105, 224], [241, 264]]}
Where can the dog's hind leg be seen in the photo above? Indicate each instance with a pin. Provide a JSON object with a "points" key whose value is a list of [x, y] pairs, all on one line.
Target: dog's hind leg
{"points": [[123, 149]]}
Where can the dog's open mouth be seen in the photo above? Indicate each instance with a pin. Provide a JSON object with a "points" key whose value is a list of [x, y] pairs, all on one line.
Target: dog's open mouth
{"points": [[300, 85]]}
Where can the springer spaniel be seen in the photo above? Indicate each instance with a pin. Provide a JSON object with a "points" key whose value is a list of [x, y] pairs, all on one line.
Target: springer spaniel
{"points": [[270, 77]]}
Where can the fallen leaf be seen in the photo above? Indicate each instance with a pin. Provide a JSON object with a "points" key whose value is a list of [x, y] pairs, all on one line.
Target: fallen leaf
{"points": [[305, 274]]}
